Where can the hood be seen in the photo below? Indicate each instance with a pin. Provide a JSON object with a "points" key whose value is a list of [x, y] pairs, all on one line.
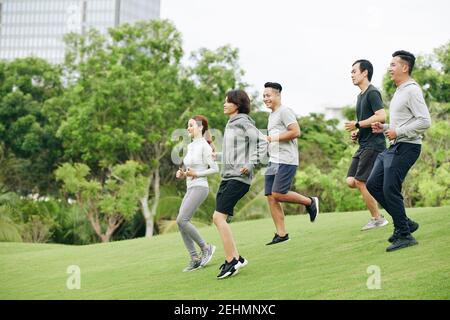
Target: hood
{"points": [[241, 118]]}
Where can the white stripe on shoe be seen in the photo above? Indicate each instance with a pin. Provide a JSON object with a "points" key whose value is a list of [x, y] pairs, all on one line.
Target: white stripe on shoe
{"points": [[316, 202], [241, 264]]}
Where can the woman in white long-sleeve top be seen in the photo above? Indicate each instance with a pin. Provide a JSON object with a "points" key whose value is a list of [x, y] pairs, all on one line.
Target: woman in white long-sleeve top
{"points": [[199, 164]]}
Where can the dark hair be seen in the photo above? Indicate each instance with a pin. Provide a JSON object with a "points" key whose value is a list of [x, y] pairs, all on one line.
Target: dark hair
{"points": [[273, 85], [205, 131], [365, 65], [239, 98], [406, 56]]}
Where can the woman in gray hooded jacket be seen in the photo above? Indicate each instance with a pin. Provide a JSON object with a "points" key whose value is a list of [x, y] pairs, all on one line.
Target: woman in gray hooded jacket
{"points": [[243, 146]]}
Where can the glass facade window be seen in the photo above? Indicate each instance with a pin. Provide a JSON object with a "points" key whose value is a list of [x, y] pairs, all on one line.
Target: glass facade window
{"points": [[37, 27]]}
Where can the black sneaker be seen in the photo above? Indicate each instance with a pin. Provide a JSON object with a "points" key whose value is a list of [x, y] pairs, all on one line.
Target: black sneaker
{"points": [[278, 239], [229, 269], [402, 242], [413, 226], [243, 262], [313, 208]]}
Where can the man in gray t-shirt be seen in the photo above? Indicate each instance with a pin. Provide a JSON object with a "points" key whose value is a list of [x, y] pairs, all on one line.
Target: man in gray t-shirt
{"points": [[283, 131], [282, 151]]}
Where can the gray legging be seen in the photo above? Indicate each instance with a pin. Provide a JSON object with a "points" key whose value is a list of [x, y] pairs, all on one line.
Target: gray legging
{"points": [[193, 198]]}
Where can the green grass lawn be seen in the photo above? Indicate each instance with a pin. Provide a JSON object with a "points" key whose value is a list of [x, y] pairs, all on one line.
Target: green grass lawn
{"points": [[327, 259]]}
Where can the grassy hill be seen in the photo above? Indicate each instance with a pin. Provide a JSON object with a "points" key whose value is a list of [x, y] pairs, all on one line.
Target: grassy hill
{"points": [[324, 260]]}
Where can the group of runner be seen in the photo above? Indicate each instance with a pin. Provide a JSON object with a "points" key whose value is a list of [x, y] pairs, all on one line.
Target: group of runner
{"points": [[378, 172]]}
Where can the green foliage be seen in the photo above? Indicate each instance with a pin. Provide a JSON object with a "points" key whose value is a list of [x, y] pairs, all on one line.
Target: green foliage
{"points": [[435, 191], [213, 74], [108, 202], [8, 230], [322, 142], [349, 112], [261, 119], [125, 92], [331, 187], [29, 145], [35, 219]]}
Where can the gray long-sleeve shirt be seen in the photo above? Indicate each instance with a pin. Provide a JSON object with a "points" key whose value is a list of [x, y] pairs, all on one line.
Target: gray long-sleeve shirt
{"points": [[243, 146], [408, 113]]}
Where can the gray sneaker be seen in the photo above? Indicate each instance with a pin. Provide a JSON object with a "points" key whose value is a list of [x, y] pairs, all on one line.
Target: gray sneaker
{"points": [[193, 265], [207, 254], [375, 223]]}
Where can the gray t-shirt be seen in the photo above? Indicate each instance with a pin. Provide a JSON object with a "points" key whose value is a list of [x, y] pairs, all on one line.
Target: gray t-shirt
{"points": [[285, 151]]}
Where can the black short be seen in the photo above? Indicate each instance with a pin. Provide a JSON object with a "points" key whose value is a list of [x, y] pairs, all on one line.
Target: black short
{"points": [[230, 192], [362, 164]]}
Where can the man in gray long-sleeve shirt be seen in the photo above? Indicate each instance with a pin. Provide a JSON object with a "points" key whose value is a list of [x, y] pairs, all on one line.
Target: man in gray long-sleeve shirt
{"points": [[409, 118]]}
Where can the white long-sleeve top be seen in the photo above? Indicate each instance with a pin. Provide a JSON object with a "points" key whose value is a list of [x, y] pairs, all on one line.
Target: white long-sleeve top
{"points": [[199, 159], [408, 113]]}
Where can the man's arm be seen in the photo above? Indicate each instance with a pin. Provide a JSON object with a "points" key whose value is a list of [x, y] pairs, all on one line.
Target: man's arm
{"points": [[293, 132], [379, 116]]}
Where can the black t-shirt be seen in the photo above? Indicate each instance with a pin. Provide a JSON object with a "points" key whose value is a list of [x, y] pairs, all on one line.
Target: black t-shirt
{"points": [[369, 102]]}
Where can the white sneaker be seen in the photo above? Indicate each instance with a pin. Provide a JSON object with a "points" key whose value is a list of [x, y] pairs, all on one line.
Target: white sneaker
{"points": [[207, 254], [375, 223]]}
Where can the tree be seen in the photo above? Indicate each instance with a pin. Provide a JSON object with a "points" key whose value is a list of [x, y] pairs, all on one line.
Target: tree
{"points": [[213, 74], [106, 204], [322, 143], [30, 149]]}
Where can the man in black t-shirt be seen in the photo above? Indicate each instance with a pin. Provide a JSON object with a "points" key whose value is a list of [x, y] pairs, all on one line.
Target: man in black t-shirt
{"points": [[369, 109]]}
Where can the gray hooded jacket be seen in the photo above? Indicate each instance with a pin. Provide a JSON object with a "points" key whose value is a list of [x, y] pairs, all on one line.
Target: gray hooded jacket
{"points": [[243, 146]]}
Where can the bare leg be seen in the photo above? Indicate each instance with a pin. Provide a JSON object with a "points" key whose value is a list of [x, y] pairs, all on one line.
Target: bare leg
{"points": [[291, 197], [370, 201], [229, 246], [277, 215]]}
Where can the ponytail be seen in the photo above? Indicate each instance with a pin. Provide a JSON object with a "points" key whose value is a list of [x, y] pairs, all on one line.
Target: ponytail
{"points": [[205, 131]]}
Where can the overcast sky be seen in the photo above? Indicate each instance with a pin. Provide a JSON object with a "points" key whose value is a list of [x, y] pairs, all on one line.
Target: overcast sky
{"points": [[309, 46]]}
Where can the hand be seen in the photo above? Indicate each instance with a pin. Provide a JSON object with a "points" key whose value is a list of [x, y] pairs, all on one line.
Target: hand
{"points": [[350, 126], [354, 136], [390, 134], [244, 170], [191, 173], [180, 174], [377, 127], [269, 139], [214, 156]]}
